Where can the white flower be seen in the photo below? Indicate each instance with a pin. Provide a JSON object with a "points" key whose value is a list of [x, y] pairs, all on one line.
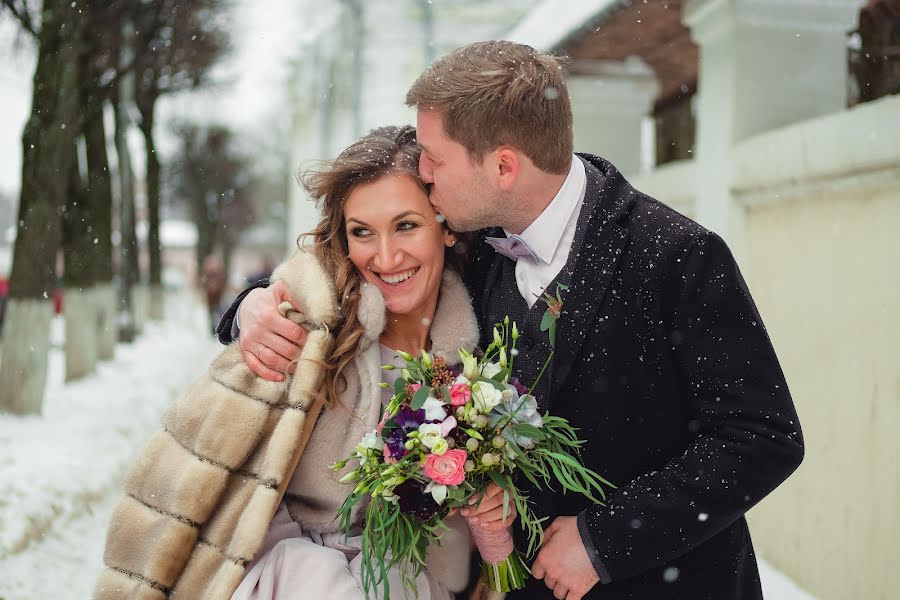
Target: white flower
{"points": [[440, 447], [470, 365], [429, 434], [490, 369], [370, 441], [485, 397], [438, 492], [434, 409]]}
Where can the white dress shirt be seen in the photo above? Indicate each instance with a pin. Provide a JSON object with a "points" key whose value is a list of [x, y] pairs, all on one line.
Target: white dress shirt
{"points": [[550, 236]]}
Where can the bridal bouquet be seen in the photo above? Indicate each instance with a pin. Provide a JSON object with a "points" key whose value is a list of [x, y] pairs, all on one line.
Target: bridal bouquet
{"points": [[443, 437]]}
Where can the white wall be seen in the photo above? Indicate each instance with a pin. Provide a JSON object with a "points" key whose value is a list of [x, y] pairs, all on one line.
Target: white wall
{"points": [[821, 209]]}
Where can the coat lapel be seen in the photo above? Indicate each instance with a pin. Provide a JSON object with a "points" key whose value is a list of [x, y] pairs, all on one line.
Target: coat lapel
{"points": [[610, 199]]}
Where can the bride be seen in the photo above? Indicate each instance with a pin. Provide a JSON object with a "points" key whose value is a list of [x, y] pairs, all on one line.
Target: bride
{"points": [[196, 518]]}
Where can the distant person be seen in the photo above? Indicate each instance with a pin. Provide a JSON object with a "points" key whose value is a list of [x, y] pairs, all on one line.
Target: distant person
{"points": [[213, 280]]}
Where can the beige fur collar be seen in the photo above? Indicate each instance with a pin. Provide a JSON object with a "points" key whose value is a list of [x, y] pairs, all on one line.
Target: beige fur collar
{"points": [[454, 324]]}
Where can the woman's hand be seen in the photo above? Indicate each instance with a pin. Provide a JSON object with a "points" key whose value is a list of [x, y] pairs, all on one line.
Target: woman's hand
{"points": [[489, 512]]}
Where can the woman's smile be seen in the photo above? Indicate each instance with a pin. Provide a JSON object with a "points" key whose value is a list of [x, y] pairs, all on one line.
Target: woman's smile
{"points": [[398, 278]]}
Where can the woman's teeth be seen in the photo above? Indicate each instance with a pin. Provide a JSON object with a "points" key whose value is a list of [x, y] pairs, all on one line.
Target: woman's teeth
{"points": [[399, 277]]}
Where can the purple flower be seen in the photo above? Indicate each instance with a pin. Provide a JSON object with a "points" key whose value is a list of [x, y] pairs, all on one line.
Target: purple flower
{"points": [[521, 389], [395, 441], [405, 421], [414, 501], [408, 419]]}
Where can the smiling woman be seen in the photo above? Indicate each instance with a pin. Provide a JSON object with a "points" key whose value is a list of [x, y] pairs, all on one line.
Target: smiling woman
{"points": [[397, 243], [378, 227], [372, 281]]}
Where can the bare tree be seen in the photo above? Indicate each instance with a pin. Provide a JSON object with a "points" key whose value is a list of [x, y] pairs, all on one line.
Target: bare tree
{"points": [[212, 177], [87, 245], [182, 41], [47, 151]]}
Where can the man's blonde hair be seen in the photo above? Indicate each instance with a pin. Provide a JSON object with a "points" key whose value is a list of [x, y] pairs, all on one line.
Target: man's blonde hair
{"points": [[491, 94]]}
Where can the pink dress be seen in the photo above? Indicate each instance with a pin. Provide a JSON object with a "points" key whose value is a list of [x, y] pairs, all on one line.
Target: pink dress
{"points": [[297, 564]]}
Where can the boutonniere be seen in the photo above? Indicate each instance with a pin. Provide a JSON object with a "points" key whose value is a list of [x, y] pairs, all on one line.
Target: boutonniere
{"points": [[551, 315]]}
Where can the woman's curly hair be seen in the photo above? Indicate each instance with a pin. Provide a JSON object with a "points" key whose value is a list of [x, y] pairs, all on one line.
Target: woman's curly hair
{"points": [[383, 151]]}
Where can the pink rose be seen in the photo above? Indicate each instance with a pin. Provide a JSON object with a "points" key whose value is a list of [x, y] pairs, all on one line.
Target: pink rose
{"points": [[415, 387], [460, 394], [448, 468]]}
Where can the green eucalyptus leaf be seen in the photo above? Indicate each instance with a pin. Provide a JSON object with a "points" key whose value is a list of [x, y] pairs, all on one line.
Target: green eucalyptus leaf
{"points": [[399, 385], [498, 478], [547, 321], [530, 431], [419, 397]]}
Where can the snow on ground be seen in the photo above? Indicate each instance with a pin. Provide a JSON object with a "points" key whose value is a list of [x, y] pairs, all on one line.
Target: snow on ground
{"points": [[60, 473]]}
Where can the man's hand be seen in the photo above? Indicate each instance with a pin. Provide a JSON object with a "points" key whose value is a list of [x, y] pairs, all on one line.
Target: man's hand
{"points": [[270, 343], [563, 563], [489, 512]]}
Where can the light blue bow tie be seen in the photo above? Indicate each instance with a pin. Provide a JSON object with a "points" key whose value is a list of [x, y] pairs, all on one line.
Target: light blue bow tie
{"points": [[511, 247]]}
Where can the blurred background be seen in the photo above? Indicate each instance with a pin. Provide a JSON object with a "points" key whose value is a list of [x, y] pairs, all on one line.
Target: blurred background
{"points": [[148, 150]]}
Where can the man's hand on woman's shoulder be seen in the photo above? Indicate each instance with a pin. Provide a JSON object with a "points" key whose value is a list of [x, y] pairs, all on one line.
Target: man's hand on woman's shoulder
{"points": [[270, 343]]}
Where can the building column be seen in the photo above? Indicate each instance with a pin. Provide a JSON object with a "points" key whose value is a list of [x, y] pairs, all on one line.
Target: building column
{"points": [[610, 101], [764, 64]]}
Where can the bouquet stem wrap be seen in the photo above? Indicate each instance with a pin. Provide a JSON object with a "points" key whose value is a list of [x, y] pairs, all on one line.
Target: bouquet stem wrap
{"points": [[502, 568]]}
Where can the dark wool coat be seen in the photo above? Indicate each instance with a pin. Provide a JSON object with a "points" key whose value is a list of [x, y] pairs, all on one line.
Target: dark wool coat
{"points": [[665, 367]]}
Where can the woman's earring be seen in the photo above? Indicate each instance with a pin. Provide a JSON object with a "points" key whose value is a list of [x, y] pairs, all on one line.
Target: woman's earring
{"points": [[452, 243]]}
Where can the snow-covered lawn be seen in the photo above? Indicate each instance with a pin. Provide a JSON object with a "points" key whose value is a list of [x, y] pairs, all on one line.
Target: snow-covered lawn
{"points": [[60, 473]]}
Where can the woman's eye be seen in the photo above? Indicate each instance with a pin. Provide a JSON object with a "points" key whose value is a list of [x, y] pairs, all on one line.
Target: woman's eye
{"points": [[406, 226], [360, 232]]}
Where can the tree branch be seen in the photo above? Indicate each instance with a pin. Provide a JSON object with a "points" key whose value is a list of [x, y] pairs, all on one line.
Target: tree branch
{"points": [[23, 16]]}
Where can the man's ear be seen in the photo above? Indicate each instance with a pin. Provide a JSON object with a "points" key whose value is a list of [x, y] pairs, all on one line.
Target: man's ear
{"points": [[508, 165]]}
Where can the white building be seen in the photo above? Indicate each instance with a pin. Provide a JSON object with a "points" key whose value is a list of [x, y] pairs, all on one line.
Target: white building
{"points": [[354, 72]]}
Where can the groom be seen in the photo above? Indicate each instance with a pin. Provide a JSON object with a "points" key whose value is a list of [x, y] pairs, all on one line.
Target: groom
{"points": [[662, 360]]}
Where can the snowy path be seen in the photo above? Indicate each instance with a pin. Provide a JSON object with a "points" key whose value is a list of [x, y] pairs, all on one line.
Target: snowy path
{"points": [[60, 474]]}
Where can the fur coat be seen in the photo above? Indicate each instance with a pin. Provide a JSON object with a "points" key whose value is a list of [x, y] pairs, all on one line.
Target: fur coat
{"points": [[199, 498]]}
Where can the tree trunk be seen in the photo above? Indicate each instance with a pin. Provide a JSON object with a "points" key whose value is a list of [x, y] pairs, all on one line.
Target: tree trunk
{"points": [[153, 178], [127, 245], [99, 198], [46, 159], [206, 229], [79, 251]]}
